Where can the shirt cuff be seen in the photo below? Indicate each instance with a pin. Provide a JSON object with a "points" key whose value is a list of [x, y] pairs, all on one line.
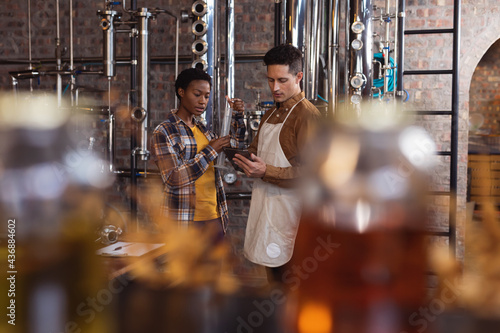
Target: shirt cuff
{"points": [[211, 154], [271, 175]]}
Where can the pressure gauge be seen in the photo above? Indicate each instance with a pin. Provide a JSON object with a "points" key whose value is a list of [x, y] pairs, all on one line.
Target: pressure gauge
{"points": [[357, 44], [358, 80], [356, 99], [254, 124], [357, 27], [230, 178]]}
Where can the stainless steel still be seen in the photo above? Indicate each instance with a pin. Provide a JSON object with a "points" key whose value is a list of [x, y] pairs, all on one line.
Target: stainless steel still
{"points": [[359, 43], [109, 42], [140, 113], [206, 54], [337, 40]]}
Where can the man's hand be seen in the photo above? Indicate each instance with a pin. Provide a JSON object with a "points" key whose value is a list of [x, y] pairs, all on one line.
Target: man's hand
{"points": [[255, 168], [220, 143]]}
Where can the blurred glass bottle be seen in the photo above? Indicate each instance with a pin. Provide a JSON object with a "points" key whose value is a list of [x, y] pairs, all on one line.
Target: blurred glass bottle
{"points": [[360, 259], [50, 187]]}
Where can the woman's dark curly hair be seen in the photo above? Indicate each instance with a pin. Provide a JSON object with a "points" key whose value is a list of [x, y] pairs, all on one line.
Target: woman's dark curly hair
{"points": [[285, 54], [189, 75]]}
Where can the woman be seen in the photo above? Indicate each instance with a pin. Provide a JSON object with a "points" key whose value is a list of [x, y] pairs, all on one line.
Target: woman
{"points": [[184, 151]]}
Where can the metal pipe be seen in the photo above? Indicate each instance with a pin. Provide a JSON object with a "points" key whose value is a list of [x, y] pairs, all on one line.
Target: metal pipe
{"points": [[229, 64], [400, 50], [239, 58], [217, 105], [134, 225], [386, 50], [71, 34], [109, 42], [230, 37], [58, 57], [140, 114], [396, 45], [323, 50], [30, 67], [14, 86], [31, 74], [212, 58], [296, 28], [295, 13], [333, 63], [71, 65], [308, 48], [345, 78], [455, 93], [133, 103], [132, 8], [177, 28], [277, 22], [111, 141], [312, 46], [283, 21], [306, 28]]}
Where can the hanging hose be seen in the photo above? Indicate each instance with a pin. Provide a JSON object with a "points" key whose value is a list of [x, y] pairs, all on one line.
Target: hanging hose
{"points": [[379, 83]]}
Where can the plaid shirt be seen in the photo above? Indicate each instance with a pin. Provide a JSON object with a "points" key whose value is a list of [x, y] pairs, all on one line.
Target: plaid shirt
{"points": [[174, 152]]}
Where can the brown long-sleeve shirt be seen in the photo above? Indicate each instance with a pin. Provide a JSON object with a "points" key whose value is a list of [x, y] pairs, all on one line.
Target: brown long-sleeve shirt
{"points": [[293, 136]]}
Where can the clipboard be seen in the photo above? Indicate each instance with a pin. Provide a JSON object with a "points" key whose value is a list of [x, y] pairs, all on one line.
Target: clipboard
{"points": [[230, 152], [126, 249]]}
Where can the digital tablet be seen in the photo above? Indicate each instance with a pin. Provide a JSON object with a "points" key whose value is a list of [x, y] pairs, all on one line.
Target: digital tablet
{"points": [[230, 152]]}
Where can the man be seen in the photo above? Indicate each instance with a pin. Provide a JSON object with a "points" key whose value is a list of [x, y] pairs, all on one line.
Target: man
{"points": [[275, 208]]}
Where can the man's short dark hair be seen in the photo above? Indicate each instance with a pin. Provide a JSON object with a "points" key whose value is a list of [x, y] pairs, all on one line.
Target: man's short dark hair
{"points": [[187, 76], [285, 54]]}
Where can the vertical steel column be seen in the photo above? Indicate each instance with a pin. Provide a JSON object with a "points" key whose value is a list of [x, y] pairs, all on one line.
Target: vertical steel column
{"points": [[312, 38], [225, 127], [400, 48], [333, 49], [140, 113], [29, 43], [133, 103], [111, 139], [359, 26], [58, 57], [295, 21], [212, 59], [229, 60], [455, 109], [109, 42], [387, 48], [71, 52], [277, 22], [306, 28]]}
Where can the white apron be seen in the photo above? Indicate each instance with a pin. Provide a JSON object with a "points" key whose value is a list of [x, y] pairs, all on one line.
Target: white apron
{"points": [[274, 213]]}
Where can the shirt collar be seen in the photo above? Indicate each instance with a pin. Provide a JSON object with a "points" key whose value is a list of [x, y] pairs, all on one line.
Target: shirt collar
{"points": [[289, 103], [178, 119]]}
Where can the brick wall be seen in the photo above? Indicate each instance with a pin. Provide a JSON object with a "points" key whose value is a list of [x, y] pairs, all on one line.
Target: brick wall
{"points": [[254, 35]]}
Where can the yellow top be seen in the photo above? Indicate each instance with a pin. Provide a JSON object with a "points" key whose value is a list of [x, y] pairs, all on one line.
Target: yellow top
{"points": [[206, 193]]}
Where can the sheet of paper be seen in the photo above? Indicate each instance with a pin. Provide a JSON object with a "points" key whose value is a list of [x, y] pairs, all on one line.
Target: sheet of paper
{"points": [[123, 249]]}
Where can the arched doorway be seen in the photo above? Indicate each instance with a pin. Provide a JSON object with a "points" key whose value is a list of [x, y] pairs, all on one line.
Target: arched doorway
{"points": [[484, 128], [484, 144]]}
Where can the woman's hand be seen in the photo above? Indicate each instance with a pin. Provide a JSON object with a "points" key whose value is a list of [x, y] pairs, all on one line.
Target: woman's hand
{"points": [[236, 104], [220, 143]]}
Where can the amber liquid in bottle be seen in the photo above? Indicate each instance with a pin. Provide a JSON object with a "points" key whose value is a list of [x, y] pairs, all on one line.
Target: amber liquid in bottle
{"points": [[367, 281]]}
